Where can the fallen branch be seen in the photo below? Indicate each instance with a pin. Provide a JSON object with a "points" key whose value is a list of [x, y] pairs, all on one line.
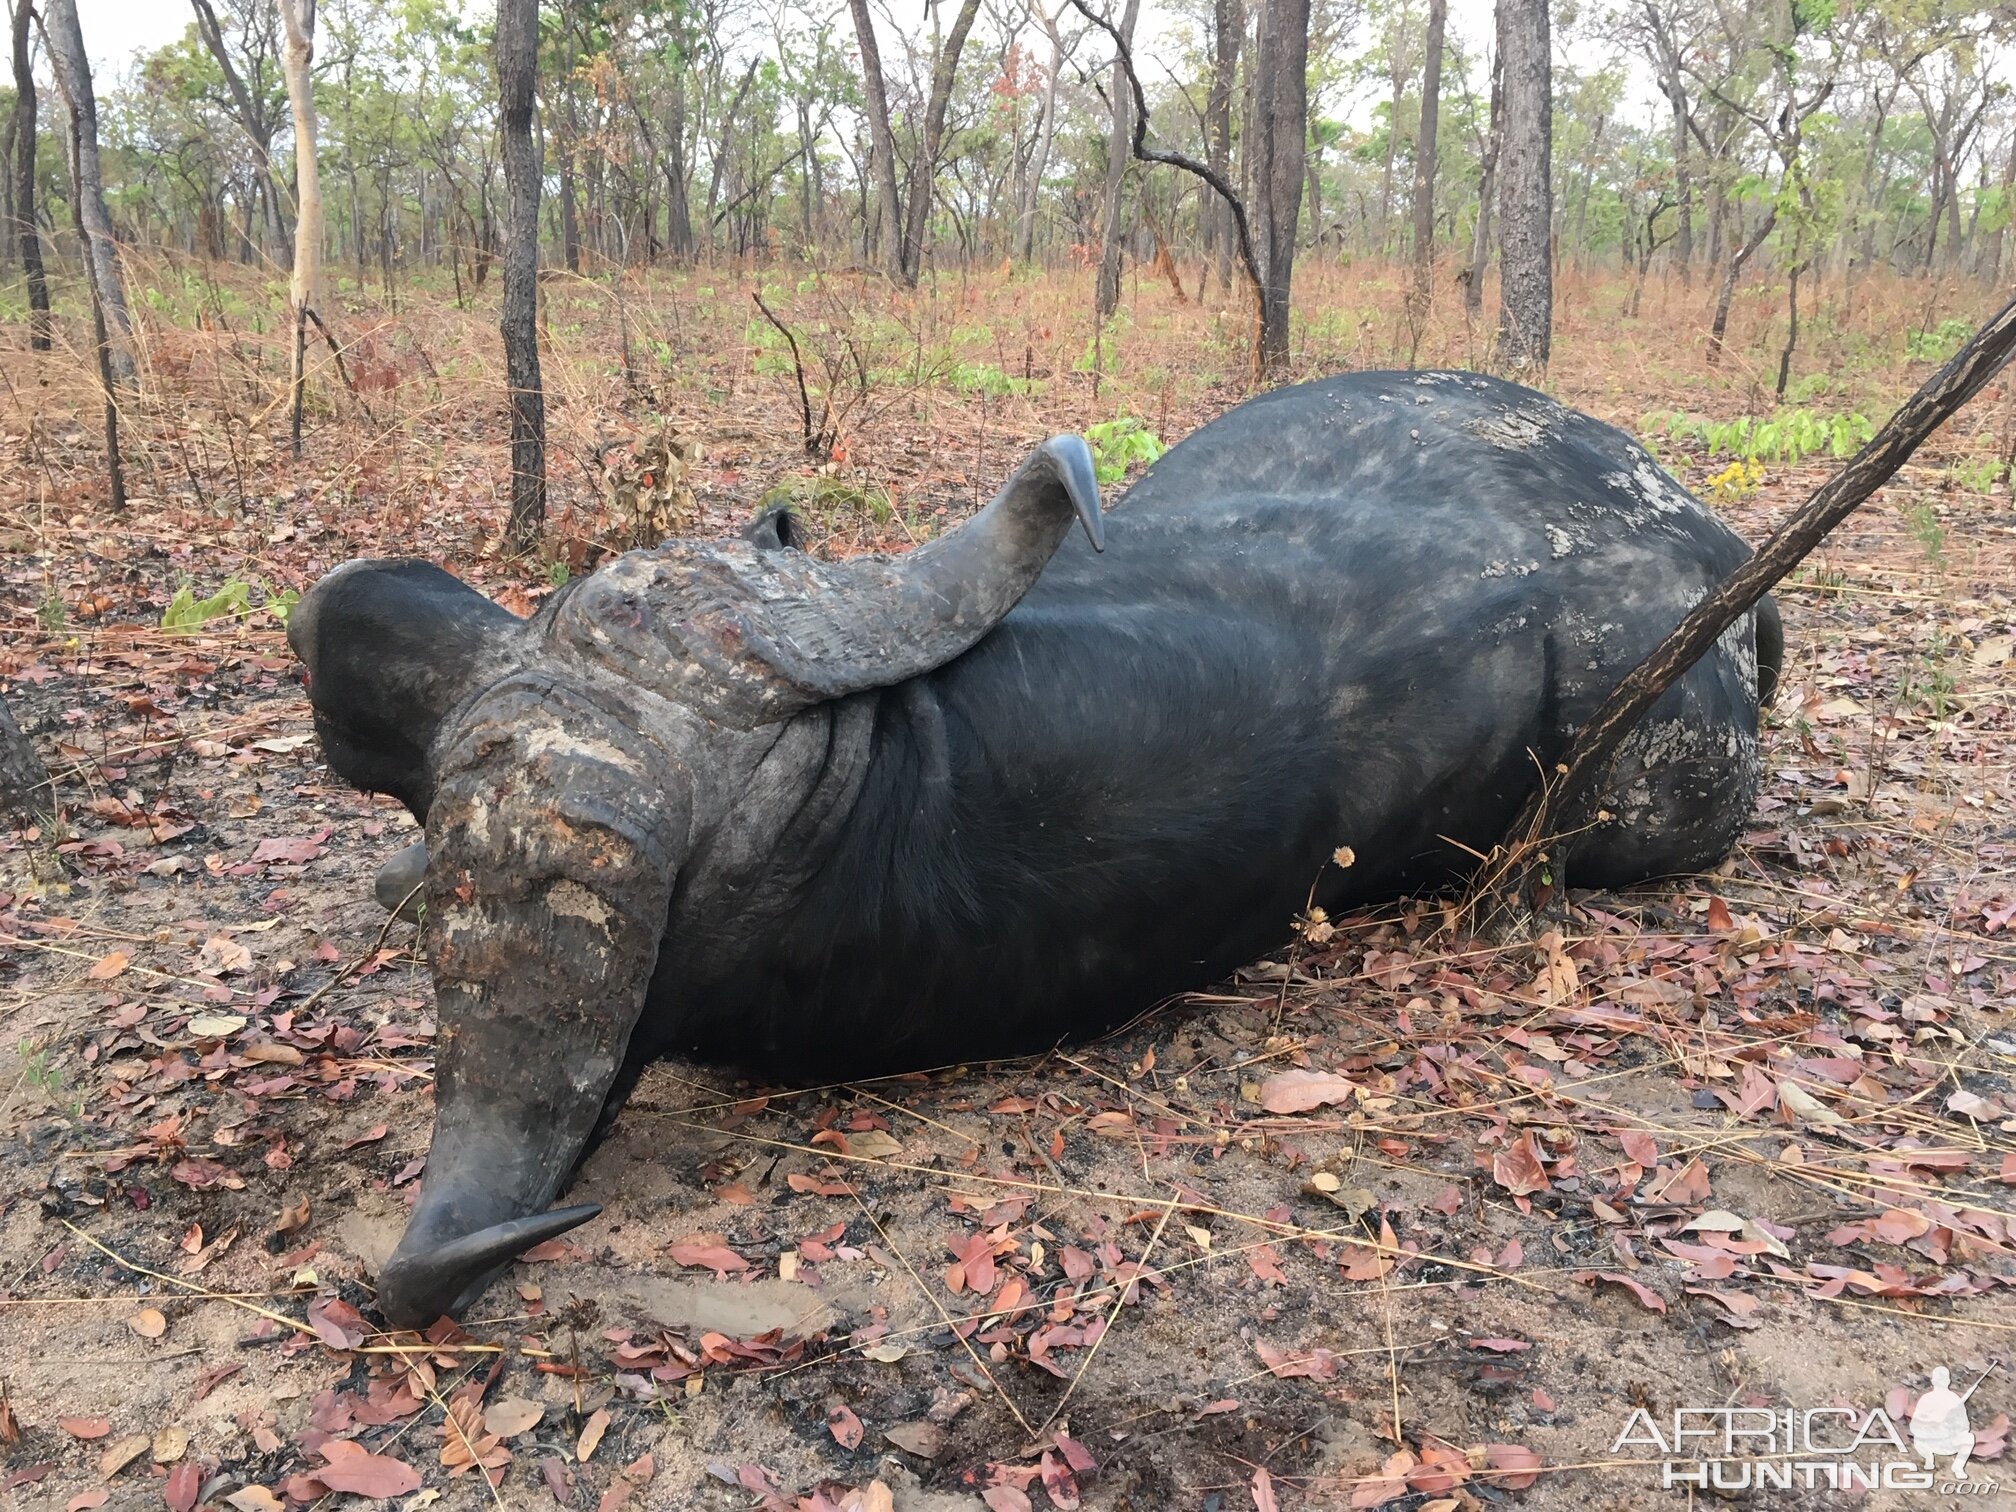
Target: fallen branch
{"points": [[1558, 804]]}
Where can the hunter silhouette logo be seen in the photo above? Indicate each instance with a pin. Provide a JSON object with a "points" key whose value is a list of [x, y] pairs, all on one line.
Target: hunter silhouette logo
{"points": [[1939, 1420]]}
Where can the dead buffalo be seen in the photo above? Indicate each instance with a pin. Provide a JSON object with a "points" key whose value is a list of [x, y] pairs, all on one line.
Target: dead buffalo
{"points": [[721, 799]]}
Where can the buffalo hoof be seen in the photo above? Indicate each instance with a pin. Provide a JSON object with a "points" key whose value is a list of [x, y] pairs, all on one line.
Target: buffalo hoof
{"points": [[399, 880]]}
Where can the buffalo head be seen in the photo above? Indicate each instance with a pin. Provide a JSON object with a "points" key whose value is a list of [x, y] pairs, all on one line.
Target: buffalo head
{"points": [[578, 771]]}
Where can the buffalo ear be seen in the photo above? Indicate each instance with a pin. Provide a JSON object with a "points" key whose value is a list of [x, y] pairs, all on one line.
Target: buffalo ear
{"points": [[776, 528]]}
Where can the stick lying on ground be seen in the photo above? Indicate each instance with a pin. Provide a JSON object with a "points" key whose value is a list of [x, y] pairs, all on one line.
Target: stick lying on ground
{"points": [[1511, 878]]}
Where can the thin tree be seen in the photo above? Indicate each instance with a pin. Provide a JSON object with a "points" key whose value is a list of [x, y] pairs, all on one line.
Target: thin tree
{"points": [[1487, 163], [27, 237], [252, 110], [1228, 30], [1422, 295], [517, 51], [883, 228], [1106, 298], [64, 38], [298, 16], [924, 167], [1281, 116], [1525, 189], [1241, 223]]}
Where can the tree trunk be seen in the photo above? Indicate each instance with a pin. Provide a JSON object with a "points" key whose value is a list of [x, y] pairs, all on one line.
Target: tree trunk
{"points": [[1399, 69], [1039, 162], [1281, 112], [1727, 293], [65, 41], [884, 232], [570, 215], [678, 214], [924, 171], [28, 238], [305, 292], [1119, 141], [1791, 329], [1487, 183], [1423, 292], [517, 50], [1525, 191], [26, 794], [1228, 27]]}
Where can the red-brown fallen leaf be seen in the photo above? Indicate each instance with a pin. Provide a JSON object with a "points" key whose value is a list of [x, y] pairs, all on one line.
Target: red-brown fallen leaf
{"points": [[1389, 1484], [109, 966], [370, 1136], [1006, 1499], [337, 1323], [1263, 1491], [214, 1377], [591, 1435], [704, 1250], [2008, 1172], [1076, 1455], [1514, 1466], [798, 1181], [353, 1468], [1518, 1168], [1719, 921], [296, 852], [1059, 1483], [1449, 1201], [185, 1484], [1639, 1146], [83, 1501], [1317, 1364], [556, 1475], [1300, 1091], [27, 1475], [84, 1428], [1638, 1289], [844, 1426], [1265, 1264], [1501, 1346]]}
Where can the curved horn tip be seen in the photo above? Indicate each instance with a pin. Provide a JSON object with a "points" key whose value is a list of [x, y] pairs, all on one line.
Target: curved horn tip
{"points": [[415, 1289], [1072, 459]]}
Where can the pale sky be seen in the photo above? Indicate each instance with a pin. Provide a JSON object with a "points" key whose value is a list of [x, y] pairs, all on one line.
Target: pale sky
{"points": [[115, 31]]}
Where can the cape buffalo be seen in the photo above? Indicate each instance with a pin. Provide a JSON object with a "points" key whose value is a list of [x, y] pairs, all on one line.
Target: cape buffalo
{"points": [[728, 801]]}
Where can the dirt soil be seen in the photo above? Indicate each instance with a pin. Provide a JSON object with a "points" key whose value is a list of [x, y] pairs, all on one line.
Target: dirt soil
{"points": [[1400, 1218]]}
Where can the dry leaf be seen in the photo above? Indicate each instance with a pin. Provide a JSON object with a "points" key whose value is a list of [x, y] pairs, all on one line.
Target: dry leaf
{"points": [[148, 1323], [511, 1416], [255, 1499], [85, 1428], [170, 1444], [121, 1453], [844, 1426], [1300, 1091], [591, 1434], [109, 966], [354, 1469]]}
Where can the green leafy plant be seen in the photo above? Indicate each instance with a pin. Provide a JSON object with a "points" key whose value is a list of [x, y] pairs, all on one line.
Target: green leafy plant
{"points": [[1939, 343], [1922, 520], [186, 614], [51, 613], [1118, 444], [1975, 474], [1787, 437]]}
